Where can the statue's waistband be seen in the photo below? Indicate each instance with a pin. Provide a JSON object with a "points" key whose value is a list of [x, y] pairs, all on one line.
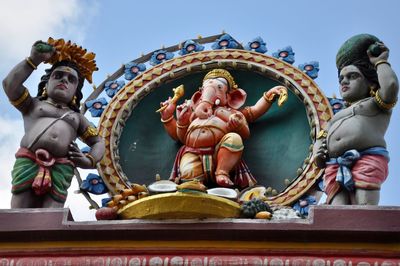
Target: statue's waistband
{"points": [[348, 159], [41, 157], [353, 155]]}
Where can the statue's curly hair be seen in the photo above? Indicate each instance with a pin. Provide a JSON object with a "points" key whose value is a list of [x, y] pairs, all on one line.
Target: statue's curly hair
{"points": [[367, 69], [45, 78]]}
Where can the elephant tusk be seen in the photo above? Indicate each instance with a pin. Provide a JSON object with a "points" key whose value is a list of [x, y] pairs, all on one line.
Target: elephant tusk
{"points": [[217, 102]]}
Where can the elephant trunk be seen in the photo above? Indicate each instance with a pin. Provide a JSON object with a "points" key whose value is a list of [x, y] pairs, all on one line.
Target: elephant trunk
{"points": [[209, 99]]}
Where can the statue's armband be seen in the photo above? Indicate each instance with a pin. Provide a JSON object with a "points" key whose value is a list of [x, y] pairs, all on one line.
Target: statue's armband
{"points": [[89, 133], [248, 114], [22, 100], [383, 105]]}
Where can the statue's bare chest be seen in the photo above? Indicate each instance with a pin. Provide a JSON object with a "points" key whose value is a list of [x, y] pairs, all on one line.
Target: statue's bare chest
{"points": [[43, 110]]}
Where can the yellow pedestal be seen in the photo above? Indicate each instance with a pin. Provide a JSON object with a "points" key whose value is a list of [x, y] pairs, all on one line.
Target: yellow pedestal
{"points": [[180, 205]]}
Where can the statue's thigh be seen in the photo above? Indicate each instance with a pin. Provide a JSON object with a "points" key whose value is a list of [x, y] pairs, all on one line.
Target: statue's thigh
{"points": [[342, 198], [191, 166], [25, 199], [367, 196]]}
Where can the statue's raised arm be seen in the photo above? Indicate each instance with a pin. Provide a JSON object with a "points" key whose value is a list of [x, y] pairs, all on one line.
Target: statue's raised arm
{"points": [[13, 83], [389, 85]]}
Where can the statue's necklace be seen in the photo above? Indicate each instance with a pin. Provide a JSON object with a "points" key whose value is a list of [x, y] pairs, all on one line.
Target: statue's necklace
{"points": [[59, 106]]}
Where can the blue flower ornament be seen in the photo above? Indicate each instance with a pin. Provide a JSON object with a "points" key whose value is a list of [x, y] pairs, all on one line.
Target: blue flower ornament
{"points": [[303, 204], [311, 69], [224, 42], [191, 46], [286, 54], [94, 184], [112, 87], [96, 106], [257, 45], [160, 56], [133, 69]]}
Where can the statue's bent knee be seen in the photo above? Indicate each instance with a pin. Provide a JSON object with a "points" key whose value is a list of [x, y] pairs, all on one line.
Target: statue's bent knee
{"points": [[232, 141]]}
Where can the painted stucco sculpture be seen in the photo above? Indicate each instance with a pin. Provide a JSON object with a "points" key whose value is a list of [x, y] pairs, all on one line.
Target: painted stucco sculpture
{"points": [[352, 147], [212, 129], [48, 155]]}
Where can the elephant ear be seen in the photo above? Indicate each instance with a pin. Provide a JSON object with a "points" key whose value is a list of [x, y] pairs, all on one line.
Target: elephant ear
{"points": [[236, 98]]}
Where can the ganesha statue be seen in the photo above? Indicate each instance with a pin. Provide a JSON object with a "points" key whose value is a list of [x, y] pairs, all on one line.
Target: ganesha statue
{"points": [[212, 126]]}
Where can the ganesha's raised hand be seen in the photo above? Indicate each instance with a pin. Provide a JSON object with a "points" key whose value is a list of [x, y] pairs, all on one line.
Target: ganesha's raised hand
{"points": [[277, 91], [178, 93], [184, 112], [167, 109]]}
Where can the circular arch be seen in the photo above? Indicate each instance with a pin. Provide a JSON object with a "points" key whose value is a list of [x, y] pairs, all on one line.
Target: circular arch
{"points": [[114, 118]]}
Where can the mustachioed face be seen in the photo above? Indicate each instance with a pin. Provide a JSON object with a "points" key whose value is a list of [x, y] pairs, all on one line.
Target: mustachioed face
{"points": [[62, 84], [353, 84]]}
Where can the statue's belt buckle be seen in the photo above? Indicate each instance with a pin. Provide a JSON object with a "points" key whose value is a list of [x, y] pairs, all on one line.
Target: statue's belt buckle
{"points": [[44, 158]]}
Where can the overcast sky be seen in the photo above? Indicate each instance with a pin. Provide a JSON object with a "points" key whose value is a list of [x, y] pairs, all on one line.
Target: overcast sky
{"points": [[119, 31]]}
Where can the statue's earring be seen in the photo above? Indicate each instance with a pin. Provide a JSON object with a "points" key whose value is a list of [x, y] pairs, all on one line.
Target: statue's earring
{"points": [[73, 102], [372, 91], [44, 92]]}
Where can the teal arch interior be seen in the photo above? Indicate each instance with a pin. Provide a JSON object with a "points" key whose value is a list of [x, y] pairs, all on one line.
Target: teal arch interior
{"points": [[278, 145]]}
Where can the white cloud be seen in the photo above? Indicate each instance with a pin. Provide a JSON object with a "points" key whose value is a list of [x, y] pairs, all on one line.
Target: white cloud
{"points": [[24, 22]]}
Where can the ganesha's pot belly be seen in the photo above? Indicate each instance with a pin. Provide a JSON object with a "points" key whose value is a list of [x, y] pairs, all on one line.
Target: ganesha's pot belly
{"points": [[205, 132]]}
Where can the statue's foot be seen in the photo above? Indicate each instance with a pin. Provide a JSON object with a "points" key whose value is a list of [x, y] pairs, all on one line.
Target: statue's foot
{"points": [[223, 180]]}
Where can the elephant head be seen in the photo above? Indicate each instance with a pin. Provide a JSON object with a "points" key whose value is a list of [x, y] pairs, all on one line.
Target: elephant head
{"points": [[219, 89]]}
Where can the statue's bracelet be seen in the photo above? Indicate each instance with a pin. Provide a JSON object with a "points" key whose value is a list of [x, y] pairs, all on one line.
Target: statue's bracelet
{"points": [[269, 98], [167, 120], [182, 126], [29, 61], [91, 158], [381, 62]]}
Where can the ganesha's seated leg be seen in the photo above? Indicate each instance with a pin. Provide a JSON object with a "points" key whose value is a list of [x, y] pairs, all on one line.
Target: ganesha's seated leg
{"points": [[229, 152], [191, 167]]}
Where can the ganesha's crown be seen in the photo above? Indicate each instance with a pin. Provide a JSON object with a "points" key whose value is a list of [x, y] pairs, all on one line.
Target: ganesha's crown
{"points": [[222, 73], [67, 51]]}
